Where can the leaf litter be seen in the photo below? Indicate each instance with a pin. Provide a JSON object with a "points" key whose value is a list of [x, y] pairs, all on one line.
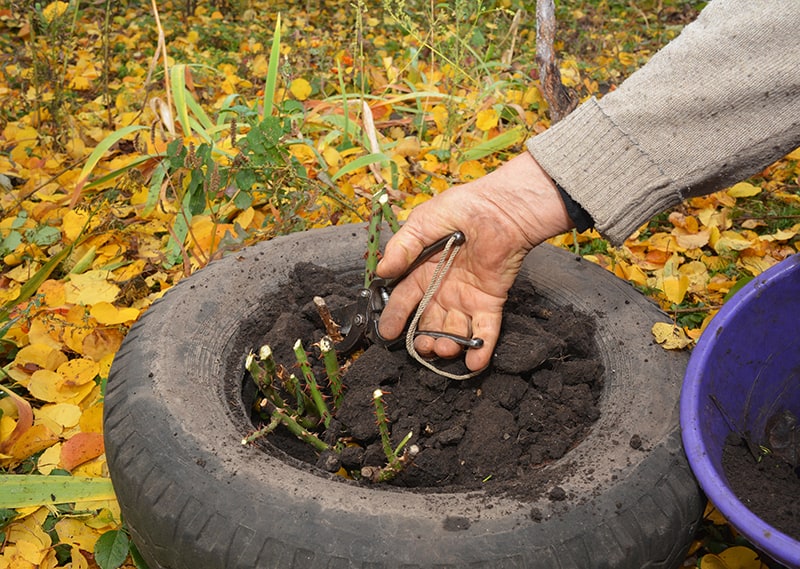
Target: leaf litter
{"points": [[120, 177]]}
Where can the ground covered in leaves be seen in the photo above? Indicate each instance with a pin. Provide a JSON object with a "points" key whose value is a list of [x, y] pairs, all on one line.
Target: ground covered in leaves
{"points": [[139, 142]]}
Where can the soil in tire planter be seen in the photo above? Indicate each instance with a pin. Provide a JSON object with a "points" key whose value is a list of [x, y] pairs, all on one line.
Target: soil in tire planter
{"points": [[769, 487], [537, 401]]}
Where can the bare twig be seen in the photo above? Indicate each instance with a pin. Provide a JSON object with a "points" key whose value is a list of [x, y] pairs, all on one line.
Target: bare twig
{"points": [[560, 99], [331, 327]]}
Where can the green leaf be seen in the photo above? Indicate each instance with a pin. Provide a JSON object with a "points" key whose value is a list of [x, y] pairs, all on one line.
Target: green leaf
{"points": [[242, 200], [101, 149], [33, 284], [44, 235], [177, 76], [156, 180], [272, 130], [494, 145], [245, 180], [360, 162], [11, 242], [7, 515], [138, 560], [23, 490], [737, 287], [112, 549], [272, 70]]}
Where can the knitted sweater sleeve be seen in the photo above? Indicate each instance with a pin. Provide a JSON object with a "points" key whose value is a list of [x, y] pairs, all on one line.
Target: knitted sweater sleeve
{"points": [[716, 105]]}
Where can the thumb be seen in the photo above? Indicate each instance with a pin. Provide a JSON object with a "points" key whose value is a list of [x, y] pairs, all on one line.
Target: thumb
{"points": [[401, 250]]}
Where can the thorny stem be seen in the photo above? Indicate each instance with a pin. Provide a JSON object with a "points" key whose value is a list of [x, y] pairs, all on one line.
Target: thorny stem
{"points": [[298, 430], [292, 385], [383, 428], [373, 240], [311, 381], [262, 432], [263, 372], [388, 214], [332, 369]]}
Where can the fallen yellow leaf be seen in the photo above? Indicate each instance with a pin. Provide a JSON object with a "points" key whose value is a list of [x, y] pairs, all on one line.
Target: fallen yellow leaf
{"points": [[78, 372], [740, 557], [731, 241], [743, 190], [486, 119], [65, 415], [108, 314], [75, 532], [90, 287], [670, 336], [35, 439], [49, 460], [300, 88], [471, 170], [675, 287], [440, 116]]}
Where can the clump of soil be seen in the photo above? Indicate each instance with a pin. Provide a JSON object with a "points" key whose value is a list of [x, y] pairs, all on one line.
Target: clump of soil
{"points": [[768, 485], [538, 399]]}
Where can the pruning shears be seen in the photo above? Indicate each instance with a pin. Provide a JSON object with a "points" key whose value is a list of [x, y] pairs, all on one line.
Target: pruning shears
{"points": [[359, 321]]}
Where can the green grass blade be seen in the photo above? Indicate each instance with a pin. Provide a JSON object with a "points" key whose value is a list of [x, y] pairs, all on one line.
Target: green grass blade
{"points": [[177, 78], [101, 149], [32, 284], [272, 71], [496, 144], [360, 162], [24, 490], [202, 117], [122, 170]]}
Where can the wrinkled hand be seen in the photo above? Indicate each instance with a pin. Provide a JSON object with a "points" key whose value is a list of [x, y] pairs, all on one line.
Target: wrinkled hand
{"points": [[503, 216]]}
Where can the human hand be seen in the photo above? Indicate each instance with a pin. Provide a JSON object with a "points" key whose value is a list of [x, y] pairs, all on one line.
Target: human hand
{"points": [[503, 216]]}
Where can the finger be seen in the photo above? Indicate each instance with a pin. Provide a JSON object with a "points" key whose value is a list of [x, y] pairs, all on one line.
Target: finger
{"points": [[403, 301], [401, 250], [487, 327], [456, 323], [432, 319]]}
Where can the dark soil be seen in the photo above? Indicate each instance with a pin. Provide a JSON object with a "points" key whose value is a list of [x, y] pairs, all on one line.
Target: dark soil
{"points": [[769, 486], [537, 401]]}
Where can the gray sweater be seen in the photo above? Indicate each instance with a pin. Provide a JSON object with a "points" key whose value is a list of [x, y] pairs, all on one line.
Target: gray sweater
{"points": [[716, 105]]}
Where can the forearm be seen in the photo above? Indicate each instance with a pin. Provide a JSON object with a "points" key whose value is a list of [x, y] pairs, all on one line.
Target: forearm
{"points": [[716, 105]]}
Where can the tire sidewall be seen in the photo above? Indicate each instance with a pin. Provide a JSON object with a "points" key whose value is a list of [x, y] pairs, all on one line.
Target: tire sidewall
{"points": [[193, 496]]}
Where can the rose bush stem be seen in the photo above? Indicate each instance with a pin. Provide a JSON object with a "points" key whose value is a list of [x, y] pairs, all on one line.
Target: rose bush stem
{"points": [[332, 369], [262, 432], [311, 382], [373, 240], [388, 214]]}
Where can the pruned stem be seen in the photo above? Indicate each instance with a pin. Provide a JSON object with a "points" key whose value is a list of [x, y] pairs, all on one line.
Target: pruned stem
{"points": [[388, 214], [263, 371], [331, 327], [311, 382], [332, 369], [383, 426], [262, 432], [292, 385], [298, 430]]}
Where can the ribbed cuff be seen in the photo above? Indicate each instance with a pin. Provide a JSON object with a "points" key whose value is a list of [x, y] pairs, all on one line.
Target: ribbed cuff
{"points": [[604, 171]]}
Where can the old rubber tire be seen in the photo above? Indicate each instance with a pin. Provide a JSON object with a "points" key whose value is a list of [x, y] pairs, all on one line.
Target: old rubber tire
{"points": [[195, 498]]}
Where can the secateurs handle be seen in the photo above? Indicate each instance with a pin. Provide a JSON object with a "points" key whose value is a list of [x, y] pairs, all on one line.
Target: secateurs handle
{"points": [[364, 316], [458, 239]]}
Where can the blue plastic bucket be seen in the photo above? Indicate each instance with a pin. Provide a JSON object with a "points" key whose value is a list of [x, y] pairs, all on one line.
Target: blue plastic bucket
{"points": [[749, 360]]}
